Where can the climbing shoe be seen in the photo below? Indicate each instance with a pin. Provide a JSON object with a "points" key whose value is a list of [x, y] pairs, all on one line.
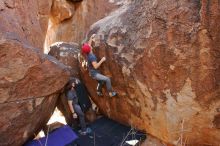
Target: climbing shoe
{"points": [[88, 130], [112, 94], [82, 132]]}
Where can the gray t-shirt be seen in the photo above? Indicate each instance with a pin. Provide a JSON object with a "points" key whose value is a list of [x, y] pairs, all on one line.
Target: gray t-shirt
{"points": [[91, 58], [71, 95]]}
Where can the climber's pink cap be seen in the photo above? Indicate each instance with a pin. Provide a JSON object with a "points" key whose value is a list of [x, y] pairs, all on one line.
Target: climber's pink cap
{"points": [[86, 49]]}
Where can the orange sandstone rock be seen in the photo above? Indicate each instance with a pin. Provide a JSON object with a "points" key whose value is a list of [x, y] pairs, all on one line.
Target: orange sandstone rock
{"points": [[163, 60]]}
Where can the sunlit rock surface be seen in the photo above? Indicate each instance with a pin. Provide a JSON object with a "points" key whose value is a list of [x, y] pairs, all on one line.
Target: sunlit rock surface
{"points": [[70, 20], [163, 58], [67, 53]]}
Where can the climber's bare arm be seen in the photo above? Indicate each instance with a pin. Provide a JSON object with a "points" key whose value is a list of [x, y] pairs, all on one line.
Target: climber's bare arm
{"points": [[98, 64]]}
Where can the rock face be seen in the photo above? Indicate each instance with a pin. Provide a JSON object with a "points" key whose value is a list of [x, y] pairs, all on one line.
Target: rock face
{"points": [[67, 53], [70, 20], [29, 87], [163, 59], [30, 82], [25, 21]]}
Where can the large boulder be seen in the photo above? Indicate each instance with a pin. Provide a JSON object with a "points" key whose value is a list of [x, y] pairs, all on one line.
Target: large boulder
{"points": [[70, 20], [29, 86], [30, 81], [164, 62], [67, 53]]}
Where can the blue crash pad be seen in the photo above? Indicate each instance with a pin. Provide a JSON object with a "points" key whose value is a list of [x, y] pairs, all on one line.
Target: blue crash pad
{"points": [[60, 137]]}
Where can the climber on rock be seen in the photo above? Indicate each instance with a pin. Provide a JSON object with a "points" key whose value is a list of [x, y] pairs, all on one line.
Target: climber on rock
{"points": [[93, 66]]}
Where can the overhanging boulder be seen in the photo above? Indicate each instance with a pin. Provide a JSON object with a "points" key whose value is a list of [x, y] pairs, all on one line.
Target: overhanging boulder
{"points": [[29, 87], [163, 59]]}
